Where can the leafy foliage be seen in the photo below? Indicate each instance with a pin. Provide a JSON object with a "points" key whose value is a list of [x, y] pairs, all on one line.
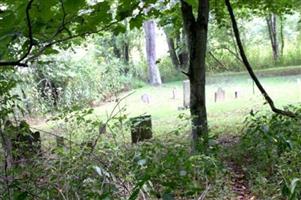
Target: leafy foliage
{"points": [[272, 143], [115, 169]]}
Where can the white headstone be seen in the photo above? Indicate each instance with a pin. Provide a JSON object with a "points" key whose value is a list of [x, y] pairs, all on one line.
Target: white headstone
{"points": [[174, 93], [145, 98], [219, 95]]}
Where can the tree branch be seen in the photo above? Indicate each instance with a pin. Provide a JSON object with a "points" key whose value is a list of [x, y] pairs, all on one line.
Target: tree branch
{"points": [[216, 59], [248, 66], [46, 46], [27, 57], [233, 53], [31, 42]]}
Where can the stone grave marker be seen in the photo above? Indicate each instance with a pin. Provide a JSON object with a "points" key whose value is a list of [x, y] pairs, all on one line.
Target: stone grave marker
{"points": [[174, 93], [145, 98], [236, 94], [219, 95], [186, 94], [141, 128]]}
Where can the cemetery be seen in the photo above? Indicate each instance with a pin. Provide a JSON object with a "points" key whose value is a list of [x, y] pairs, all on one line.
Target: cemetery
{"points": [[150, 100], [225, 96]]}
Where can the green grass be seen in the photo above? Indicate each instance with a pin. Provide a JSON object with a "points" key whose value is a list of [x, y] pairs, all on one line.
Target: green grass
{"points": [[226, 116], [223, 117]]}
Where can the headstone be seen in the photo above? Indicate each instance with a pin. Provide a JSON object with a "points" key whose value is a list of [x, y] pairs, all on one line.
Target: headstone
{"points": [[219, 95], [236, 94], [174, 93], [145, 98], [186, 94], [141, 128]]}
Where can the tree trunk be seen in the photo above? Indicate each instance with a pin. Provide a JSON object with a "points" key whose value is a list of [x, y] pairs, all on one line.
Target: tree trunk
{"points": [[183, 55], [172, 52], [150, 38], [196, 31], [272, 28], [281, 35], [126, 52], [116, 50], [7, 148]]}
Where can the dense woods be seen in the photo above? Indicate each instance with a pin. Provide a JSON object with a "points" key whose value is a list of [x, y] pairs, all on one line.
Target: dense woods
{"points": [[153, 99]]}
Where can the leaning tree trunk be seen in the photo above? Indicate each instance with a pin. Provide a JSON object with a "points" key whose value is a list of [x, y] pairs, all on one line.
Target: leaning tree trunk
{"points": [[150, 38], [196, 30], [249, 68], [272, 28]]}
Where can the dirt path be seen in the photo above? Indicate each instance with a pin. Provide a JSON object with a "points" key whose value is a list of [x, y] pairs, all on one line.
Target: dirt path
{"points": [[237, 176]]}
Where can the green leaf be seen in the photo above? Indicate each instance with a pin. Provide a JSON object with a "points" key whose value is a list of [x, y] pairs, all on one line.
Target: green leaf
{"points": [[21, 196], [50, 51], [119, 28], [137, 21], [193, 3], [294, 184], [73, 6], [137, 188], [126, 8]]}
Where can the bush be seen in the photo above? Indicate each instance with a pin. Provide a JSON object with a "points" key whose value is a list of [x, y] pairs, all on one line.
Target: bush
{"points": [[64, 80], [273, 145], [168, 72], [115, 170]]}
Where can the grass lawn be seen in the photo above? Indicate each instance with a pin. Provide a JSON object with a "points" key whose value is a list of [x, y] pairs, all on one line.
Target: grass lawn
{"points": [[226, 116]]}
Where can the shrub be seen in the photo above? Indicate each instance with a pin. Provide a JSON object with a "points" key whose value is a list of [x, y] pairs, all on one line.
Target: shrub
{"points": [[273, 143]]}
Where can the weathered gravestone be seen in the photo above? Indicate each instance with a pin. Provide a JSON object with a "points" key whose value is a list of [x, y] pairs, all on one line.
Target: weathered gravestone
{"points": [[145, 98], [219, 95], [186, 94], [236, 94], [174, 93], [141, 128]]}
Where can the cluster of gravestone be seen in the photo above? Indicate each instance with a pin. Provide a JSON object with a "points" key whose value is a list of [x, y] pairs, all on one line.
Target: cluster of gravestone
{"points": [[219, 95]]}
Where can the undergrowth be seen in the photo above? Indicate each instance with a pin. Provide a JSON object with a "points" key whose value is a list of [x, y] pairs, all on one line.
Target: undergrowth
{"points": [[114, 168], [270, 153]]}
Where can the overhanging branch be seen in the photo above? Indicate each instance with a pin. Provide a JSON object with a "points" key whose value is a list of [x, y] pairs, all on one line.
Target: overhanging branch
{"points": [[50, 44], [248, 66], [29, 55], [30, 45]]}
